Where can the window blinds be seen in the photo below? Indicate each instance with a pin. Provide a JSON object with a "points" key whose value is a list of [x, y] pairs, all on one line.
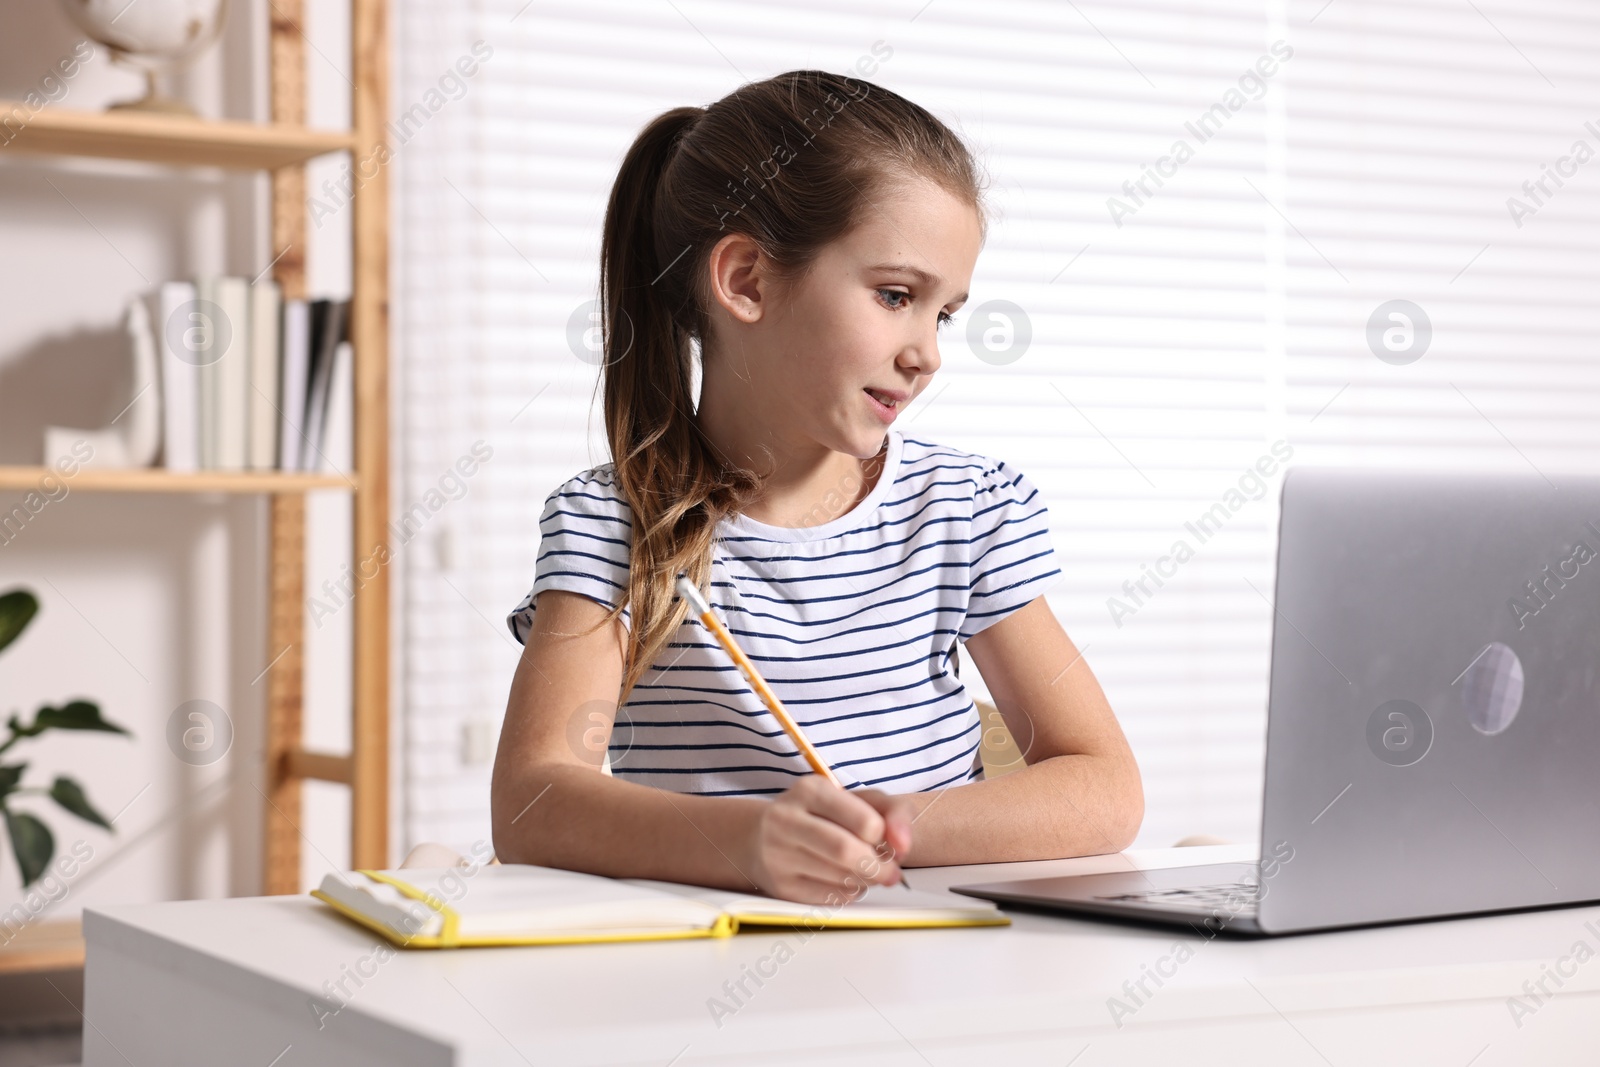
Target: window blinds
{"points": [[1199, 209]]}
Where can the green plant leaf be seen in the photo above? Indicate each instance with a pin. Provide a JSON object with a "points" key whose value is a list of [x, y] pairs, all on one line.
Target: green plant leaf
{"points": [[77, 715], [10, 778], [69, 795], [31, 843], [17, 609]]}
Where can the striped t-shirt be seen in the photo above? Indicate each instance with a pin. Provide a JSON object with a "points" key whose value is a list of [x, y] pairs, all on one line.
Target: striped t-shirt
{"points": [[851, 622]]}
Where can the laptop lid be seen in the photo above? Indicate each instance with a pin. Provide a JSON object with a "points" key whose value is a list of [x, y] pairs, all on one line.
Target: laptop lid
{"points": [[1434, 715]]}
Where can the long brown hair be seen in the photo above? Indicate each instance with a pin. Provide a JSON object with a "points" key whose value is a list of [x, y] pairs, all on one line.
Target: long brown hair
{"points": [[793, 162]]}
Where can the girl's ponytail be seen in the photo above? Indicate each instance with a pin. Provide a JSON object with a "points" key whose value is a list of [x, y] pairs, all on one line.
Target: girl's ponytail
{"points": [[675, 489], [793, 162]]}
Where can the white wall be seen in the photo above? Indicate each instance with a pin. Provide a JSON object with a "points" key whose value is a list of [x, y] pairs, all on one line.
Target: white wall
{"points": [[148, 601]]}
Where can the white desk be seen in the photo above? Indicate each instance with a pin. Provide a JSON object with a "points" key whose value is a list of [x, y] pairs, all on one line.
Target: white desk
{"points": [[232, 981]]}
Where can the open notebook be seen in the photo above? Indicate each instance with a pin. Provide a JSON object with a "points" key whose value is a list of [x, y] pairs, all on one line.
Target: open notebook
{"points": [[517, 904]]}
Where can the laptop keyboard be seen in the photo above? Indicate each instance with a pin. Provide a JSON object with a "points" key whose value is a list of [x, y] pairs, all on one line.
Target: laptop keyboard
{"points": [[1237, 897]]}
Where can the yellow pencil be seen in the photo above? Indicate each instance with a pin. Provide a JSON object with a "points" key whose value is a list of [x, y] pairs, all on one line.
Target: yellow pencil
{"points": [[702, 608], [699, 605]]}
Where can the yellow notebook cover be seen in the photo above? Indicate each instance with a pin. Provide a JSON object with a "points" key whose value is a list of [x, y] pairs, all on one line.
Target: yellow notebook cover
{"points": [[520, 904]]}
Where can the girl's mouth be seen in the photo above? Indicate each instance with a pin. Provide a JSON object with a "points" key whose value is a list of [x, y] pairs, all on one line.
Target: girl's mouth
{"points": [[887, 408]]}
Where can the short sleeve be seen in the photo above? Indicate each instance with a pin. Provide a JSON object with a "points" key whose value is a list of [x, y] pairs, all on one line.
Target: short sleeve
{"points": [[584, 536], [1011, 558]]}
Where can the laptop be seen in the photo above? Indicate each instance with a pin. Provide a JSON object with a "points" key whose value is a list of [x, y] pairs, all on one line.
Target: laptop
{"points": [[1433, 718]]}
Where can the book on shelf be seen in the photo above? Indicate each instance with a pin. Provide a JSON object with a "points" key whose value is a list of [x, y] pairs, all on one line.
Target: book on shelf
{"points": [[204, 344], [296, 362], [246, 376], [232, 378], [520, 904], [180, 376], [338, 429], [266, 320], [329, 332]]}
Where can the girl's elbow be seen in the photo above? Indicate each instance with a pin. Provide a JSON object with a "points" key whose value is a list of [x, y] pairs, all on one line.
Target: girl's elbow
{"points": [[1131, 816], [507, 844], [514, 820], [1128, 805]]}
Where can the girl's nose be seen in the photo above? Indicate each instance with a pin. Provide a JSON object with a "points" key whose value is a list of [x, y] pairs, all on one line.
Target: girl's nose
{"points": [[922, 357]]}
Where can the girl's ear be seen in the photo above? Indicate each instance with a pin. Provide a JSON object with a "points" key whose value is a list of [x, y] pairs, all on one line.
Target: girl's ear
{"points": [[739, 279]]}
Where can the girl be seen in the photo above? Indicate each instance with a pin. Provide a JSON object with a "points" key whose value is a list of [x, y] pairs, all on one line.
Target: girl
{"points": [[804, 238]]}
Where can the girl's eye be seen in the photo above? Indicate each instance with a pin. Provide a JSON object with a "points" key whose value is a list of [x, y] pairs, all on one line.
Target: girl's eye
{"points": [[897, 304]]}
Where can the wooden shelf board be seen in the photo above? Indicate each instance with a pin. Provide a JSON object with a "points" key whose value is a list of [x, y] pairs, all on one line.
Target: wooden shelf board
{"points": [[170, 139], [158, 480], [45, 946]]}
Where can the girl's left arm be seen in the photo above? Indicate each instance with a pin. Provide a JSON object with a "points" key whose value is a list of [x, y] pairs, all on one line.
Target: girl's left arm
{"points": [[1080, 793]]}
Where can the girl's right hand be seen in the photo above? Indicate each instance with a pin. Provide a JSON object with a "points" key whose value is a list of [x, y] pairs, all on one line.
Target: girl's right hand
{"points": [[818, 844]]}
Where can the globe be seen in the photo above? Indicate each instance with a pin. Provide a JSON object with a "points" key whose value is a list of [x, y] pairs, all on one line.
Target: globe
{"points": [[153, 36]]}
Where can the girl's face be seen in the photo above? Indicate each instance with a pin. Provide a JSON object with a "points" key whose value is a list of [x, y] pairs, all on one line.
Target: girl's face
{"points": [[865, 319]]}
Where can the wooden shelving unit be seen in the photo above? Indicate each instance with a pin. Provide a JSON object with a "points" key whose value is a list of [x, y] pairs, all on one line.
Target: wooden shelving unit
{"points": [[170, 139], [156, 480], [281, 147]]}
